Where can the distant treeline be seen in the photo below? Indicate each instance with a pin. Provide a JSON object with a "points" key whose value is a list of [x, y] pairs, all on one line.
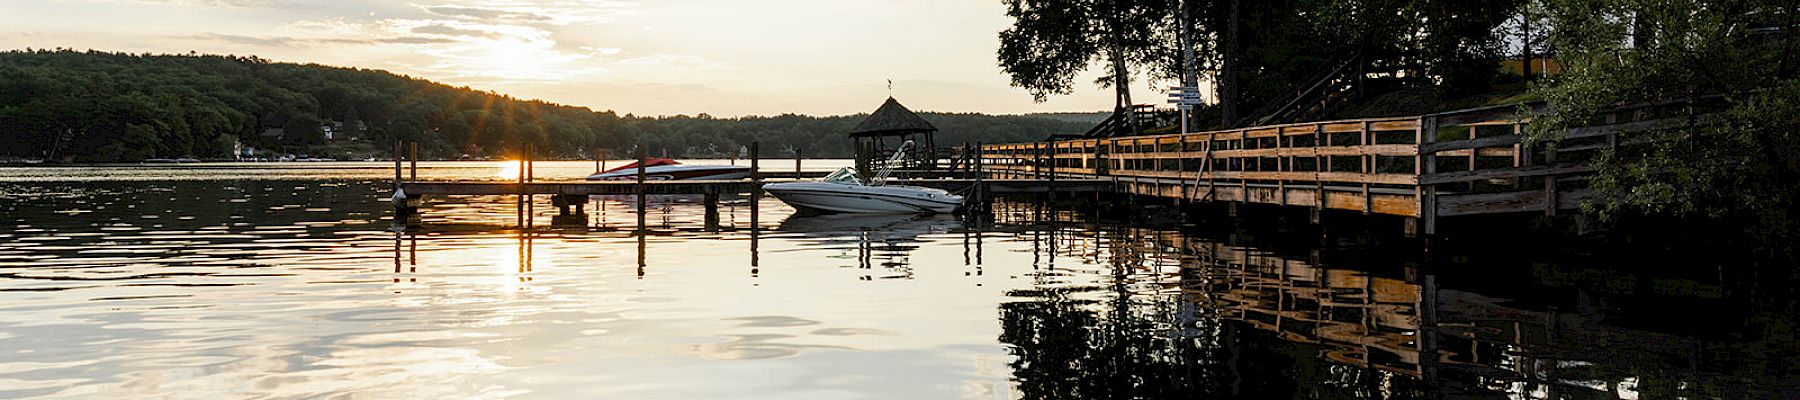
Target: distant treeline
{"points": [[101, 107]]}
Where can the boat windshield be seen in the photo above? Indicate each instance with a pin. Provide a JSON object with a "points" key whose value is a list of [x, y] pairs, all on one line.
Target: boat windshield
{"points": [[845, 176]]}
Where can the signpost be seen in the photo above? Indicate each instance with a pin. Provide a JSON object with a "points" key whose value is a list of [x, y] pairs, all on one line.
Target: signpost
{"points": [[1185, 97]]}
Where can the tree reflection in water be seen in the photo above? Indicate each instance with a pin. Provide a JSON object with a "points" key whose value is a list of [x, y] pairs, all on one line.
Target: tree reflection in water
{"points": [[1184, 313]]}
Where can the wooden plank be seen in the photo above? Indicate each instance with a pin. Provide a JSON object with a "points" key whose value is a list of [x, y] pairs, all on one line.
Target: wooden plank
{"points": [[1262, 132], [1490, 141], [1470, 204], [1340, 127], [1485, 174], [1395, 125], [1490, 115], [1307, 129]]}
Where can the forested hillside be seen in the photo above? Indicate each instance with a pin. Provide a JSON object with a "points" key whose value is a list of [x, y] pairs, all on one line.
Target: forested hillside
{"points": [[102, 107]]}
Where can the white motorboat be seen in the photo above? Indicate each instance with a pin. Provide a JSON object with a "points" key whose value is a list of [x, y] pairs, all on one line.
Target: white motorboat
{"points": [[663, 169], [844, 191]]}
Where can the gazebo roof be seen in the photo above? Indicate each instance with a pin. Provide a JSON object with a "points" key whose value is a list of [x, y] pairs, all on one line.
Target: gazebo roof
{"points": [[892, 119]]}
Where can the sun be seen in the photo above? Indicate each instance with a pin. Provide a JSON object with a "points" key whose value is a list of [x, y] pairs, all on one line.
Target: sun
{"points": [[508, 169]]}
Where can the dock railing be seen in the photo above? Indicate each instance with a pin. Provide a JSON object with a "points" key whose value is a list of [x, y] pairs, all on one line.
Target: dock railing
{"points": [[1464, 162]]}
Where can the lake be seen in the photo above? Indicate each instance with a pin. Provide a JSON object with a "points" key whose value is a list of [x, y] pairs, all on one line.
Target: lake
{"points": [[292, 281]]}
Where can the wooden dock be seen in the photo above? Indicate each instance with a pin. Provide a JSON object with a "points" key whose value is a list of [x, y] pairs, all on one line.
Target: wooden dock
{"points": [[571, 197], [705, 187], [1422, 168]]}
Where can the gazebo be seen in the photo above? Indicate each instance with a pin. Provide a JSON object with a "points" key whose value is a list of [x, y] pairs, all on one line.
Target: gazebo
{"points": [[893, 120]]}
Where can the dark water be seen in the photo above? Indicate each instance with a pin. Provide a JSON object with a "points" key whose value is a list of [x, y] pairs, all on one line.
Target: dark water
{"points": [[292, 282]]}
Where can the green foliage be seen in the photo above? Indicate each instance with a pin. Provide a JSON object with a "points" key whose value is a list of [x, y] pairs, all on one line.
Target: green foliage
{"points": [[1281, 47], [107, 107], [1728, 147], [1051, 41]]}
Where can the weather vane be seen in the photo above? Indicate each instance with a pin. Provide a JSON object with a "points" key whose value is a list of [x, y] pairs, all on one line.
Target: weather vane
{"points": [[890, 87]]}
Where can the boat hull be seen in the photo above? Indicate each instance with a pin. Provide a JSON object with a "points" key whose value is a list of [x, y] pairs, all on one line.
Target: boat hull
{"points": [[830, 197]]}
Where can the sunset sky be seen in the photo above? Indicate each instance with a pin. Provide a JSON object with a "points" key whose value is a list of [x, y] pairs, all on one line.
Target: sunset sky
{"points": [[722, 57]]}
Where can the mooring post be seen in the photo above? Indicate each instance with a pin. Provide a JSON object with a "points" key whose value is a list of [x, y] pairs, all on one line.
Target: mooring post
{"points": [[712, 208], [796, 163], [1050, 150], [398, 155], [413, 156], [643, 157], [755, 162]]}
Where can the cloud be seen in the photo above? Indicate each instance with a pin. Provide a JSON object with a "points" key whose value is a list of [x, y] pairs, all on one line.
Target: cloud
{"points": [[226, 3], [490, 14], [563, 12], [290, 41], [447, 30]]}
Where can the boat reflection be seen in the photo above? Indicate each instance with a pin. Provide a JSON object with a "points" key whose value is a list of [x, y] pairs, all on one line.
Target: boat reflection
{"points": [[884, 240]]}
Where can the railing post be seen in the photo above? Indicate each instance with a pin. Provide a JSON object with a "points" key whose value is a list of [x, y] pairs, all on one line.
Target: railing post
{"points": [[1368, 169], [1425, 164]]}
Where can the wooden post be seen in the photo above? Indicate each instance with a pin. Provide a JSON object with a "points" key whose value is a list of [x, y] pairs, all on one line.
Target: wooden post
{"points": [[643, 157], [1319, 166], [1050, 150], [712, 208], [797, 164], [1425, 165], [413, 156], [398, 155], [1368, 169], [1281, 165], [755, 162], [1550, 180]]}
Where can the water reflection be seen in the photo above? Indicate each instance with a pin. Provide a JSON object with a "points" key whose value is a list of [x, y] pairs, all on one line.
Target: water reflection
{"points": [[279, 288], [1238, 316]]}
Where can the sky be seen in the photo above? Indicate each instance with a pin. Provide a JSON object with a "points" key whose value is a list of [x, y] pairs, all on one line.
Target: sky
{"points": [[646, 57]]}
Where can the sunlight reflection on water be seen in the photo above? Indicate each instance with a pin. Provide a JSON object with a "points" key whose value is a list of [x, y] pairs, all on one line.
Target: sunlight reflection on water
{"points": [[292, 282]]}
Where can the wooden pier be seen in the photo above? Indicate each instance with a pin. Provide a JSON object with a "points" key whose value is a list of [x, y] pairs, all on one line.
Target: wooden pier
{"points": [[571, 197], [1421, 168]]}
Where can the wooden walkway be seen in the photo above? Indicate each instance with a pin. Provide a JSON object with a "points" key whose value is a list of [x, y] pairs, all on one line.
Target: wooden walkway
{"points": [[705, 187], [1420, 167]]}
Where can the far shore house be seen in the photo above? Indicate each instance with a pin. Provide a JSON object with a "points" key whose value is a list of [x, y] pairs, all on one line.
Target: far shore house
{"points": [[893, 120]]}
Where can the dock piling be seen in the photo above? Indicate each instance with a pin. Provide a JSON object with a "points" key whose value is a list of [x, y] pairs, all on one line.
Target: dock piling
{"points": [[643, 157], [755, 159]]}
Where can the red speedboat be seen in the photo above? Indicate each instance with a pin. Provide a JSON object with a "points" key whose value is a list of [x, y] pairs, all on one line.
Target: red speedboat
{"points": [[663, 169]]}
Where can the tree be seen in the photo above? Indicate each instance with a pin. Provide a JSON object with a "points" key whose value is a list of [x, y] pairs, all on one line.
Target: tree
{"points": [[1051, 41], [1728, 147]]}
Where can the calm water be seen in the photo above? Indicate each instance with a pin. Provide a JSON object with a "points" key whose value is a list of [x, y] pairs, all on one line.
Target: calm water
{"points": [[291, 281]]}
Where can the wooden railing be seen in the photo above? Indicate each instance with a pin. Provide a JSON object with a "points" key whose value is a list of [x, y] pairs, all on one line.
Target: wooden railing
{"points": [[1422, 167]]}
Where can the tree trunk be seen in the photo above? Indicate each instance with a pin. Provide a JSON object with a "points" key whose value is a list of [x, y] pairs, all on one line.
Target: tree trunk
{"points": [[1525, 43], [1228, 87], [1121, 77]]}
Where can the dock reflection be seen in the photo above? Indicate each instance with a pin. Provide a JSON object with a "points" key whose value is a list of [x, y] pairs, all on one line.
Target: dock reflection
{"points": [[1126, 309], [1189, 313]]}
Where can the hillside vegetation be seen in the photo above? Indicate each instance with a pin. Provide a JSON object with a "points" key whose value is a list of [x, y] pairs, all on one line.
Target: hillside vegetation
{"points": [[107, 107]]}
